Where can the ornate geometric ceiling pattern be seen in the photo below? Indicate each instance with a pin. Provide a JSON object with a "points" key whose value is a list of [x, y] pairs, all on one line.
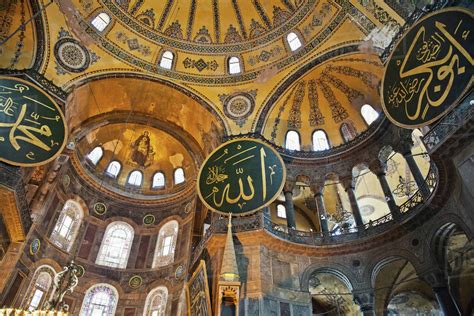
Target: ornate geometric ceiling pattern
{"points": [[202, 36]]}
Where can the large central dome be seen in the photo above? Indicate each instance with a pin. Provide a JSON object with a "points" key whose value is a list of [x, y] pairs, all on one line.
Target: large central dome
{"points": [[185, 25]]}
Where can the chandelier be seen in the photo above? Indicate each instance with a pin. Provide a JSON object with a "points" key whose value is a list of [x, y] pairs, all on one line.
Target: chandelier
{"points": [[64, 282]]}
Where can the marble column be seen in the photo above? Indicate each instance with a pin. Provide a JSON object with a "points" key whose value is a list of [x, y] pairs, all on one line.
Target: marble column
{"points": [[379, 169], [366, 302], [320, 207], [290, 209], [405, 149], [349, 187], [437, 280]]}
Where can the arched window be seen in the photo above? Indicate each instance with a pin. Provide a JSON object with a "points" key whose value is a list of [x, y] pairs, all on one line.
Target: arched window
{"points": [[320, 141], [155, 304], [95, 155], [234, 65], [158, 180], [116, 245], [348, 131], [293, 41], [101, 21], [165, 245], [369, 114], [40, 288], [135, 178], [113, 169], [179, 176], [100, 300], [292, 140], [281, 211], [67, 226], [167, 60]]}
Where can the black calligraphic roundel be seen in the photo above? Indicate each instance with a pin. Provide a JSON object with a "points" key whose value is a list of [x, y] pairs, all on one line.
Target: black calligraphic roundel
{"points": [[241, 176], [32, 126], [430, 69]]}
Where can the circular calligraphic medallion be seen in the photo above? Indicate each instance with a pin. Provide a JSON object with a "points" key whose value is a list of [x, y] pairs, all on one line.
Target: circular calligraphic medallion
{"points": [[32, 127], [135, 281], [35, 246], [149, 219], [430, 69], [240, 177], [100, 208]]}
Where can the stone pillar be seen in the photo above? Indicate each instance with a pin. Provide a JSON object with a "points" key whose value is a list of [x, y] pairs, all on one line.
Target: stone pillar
{"points": [[321, 208], [290, 208], [437, 280], [405, 149], [379, 169], [366, 302], [349, 187]]}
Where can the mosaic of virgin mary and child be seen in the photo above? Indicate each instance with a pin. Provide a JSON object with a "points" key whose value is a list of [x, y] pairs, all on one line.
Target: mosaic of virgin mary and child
{"points": [[142, 152]]}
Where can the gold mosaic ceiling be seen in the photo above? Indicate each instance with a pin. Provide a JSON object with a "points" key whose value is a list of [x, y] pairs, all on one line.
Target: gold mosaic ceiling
{"points": [[202, 34]]}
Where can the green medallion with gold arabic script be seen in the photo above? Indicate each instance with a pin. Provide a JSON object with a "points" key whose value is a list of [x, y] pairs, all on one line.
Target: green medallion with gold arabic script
{"points": [[32, 126], [241, 176], [430, 69]]}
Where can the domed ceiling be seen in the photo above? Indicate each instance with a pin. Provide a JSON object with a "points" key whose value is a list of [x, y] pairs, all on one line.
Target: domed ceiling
{"points": [[122, 142], [202, 36], [325, 97]]}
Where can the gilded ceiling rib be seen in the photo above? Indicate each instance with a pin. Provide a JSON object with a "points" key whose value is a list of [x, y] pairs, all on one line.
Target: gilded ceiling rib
{"points": [[192, 13], [165, 14], [262, 14], [217, 28], [239, 18]]}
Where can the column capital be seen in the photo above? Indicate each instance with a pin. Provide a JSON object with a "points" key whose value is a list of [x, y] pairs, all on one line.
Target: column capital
{"points": [[288, 187], [378, 167], [347, 183], [317, 188], [435, 278], [365, 299], [405, 142]]}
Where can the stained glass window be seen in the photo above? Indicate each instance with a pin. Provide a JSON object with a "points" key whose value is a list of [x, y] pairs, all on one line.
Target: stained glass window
{"points": [[167, 60], [158, 180], [348, 131], [369, 114], [135, 178], [292, 140], [114, 168], [293, 41], [40, 287], [155, 304], [95, 155], [166, 244], [320, 141], [116, 245], [67, 225], [234, 65], [101, 21], [179, 176], [281, 211], [100, 300]]}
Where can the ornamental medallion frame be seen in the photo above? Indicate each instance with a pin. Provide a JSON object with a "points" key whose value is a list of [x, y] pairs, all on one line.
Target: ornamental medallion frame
{"points": [[414, 29], [58, 109], [253, 209]]}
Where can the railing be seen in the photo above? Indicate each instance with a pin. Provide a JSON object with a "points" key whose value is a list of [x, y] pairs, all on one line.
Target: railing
{"points": [[259, 221], [442, 131]]}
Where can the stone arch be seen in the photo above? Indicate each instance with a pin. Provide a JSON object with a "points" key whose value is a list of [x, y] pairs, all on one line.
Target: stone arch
{"points": [[191, 94], [378, 262], [440, 236], [339, 271]]}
